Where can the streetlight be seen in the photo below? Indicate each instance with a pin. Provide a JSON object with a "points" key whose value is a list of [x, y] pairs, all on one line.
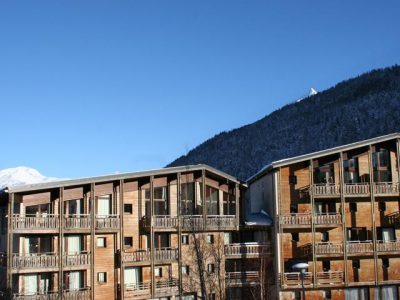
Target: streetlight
{"points": [[301, 267]]}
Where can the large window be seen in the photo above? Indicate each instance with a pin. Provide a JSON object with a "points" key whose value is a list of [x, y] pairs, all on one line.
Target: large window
{"points": [[161, 201], [381, 166], [324, 174], [229, 201], [187, 198], [212, 199], [351, 174]]}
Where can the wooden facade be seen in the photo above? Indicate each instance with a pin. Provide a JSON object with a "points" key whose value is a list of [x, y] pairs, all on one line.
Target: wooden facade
{"points": [[120, 237], [338, 211]]}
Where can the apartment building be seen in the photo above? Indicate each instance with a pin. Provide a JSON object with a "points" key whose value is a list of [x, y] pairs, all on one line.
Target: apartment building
{"points": [[172, 233], [337, 211]]}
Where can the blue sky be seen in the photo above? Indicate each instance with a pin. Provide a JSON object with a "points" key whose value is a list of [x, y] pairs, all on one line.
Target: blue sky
{"points": [[98, 87]]}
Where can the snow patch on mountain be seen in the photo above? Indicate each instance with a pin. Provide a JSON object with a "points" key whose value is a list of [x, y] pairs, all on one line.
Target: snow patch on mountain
{"points": [[312, 92], [21, 176]]}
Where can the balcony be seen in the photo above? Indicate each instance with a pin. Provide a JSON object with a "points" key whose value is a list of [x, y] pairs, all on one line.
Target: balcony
{"points": [[137, 256], [293, 279], [110, 222], [74, 222], [250, 250], [330, 278], [34, 261], [166, 287], [144, 255], [296, 220], [218, 222], [161, 223], [162, 288], [386, 189], [329, 219], [388, 246], [77, 259], [245, 278], [356, 189], [326, 190], [392, 219], [28, 223], [360, 248], [38, 296], [328, 249], [192, 223], [78, 294]]}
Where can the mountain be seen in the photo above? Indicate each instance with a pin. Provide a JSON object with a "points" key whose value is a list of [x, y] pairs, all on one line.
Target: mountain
{"points": [[21, 176], [360, 108]]}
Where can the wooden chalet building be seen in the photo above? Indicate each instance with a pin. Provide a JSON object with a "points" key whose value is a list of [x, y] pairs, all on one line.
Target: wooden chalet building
{"points": [[138, 235], [338, 211]]}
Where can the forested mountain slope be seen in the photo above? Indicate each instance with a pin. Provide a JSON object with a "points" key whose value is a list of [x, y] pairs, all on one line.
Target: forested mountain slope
{"points": [[360, 108]]}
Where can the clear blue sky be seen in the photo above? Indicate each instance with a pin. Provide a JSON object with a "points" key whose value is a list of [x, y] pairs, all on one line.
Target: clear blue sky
{"points": [[95, 87]]}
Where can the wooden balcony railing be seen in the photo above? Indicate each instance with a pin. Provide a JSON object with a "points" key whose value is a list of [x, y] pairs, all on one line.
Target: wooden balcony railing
{"points": [[296, 219], [165, 222], [388, 246], [133, 290], [221, 222], [192, 223], [328, 219], [166, 254], [326, 190], [244, 278], [77, 259], [37, 296], [77, 221], [386, 188], [329, 278], [248, 250], [34, 261], [360, 247], [107, 222], [136, 256], [356, 189], [328, 248], [78, 294], [166, 287], [294, 279], [35, 222]]}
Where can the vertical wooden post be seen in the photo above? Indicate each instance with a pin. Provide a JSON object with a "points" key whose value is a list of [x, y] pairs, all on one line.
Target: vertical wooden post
{"points": [[178, 198], [121, 240], [153, 290], [92, 238], [311, 179], [343, 216], [237, 199], [371, 184], [11, 198], [204, 202], [60, 241]]}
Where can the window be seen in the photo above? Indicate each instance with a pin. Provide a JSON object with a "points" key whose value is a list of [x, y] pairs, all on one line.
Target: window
{"points": [[293, 209], [102, 277], [326, 265], [161, 201], [212, 200], [295, 236], [101, 242], [356, 264], [353, 207], [211, 296], [229, 203], [210, 268], [158, 272], [328, 294], [185, 239], [324, 236], [297, 295], [185, 270], [210, 239], [385, 263], [382, 206], [128, 208], [187, 198], [292, 179], [128, 241]]}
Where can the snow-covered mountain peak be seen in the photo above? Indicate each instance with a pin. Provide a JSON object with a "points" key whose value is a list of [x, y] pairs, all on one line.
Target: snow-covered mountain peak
{"points": [[22, 175]]}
